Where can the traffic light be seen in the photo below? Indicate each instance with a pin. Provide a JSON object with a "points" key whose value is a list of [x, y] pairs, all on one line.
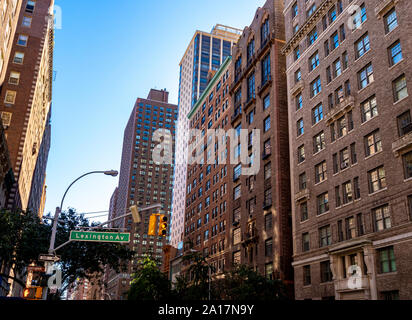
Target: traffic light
{"points": [[152, 225], [33, 293], [135, 214], [162, 226]]}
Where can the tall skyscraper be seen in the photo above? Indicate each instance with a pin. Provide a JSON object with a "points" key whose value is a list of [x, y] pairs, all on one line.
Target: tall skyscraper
{"points": [[144, 181], [26, 101], [206, 52], [351, 136]]}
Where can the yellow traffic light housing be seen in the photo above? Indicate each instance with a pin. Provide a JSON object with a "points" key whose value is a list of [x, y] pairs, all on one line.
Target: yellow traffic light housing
{"points": [[162, 226], [33, 293], [135, 214], [152, 225]]}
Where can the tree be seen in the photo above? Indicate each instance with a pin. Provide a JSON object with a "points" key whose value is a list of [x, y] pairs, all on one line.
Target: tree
{"points": [[23, 237], [243, 283], [149, 283], [86, 259]]}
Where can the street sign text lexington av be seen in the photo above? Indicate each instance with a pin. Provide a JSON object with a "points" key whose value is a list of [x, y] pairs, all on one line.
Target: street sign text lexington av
{"points": [[100, 236]]}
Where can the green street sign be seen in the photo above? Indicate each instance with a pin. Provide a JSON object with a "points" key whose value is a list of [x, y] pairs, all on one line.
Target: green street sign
{"points": [[99, 236]]}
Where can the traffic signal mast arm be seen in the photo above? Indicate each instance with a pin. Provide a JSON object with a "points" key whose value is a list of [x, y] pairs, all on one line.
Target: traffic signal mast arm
{"points": [[133, 211]]}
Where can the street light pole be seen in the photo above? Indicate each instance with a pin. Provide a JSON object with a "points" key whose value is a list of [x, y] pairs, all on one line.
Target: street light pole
{"points": [[112, 173]]}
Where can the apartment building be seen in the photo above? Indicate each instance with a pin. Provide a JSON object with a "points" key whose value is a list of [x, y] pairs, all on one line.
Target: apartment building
{"points": [[144, 180], [26, 100], [206, 227], [260, 224], [348, 73], [206, 52], [10, 12]]}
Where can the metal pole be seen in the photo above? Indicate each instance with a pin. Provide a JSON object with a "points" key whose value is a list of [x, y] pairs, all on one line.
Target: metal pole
{"points": [[54, 230], [210, 278]]}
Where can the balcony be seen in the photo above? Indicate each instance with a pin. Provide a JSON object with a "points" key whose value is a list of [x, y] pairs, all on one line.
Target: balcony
{"points": [[236, 115], [298, 87], [302, 195], [345, 105], [264, 85], [250, 237], [344, 284], [404, 142]]}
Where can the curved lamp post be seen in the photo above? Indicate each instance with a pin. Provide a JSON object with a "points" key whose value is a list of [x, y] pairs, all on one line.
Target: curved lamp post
{"points": [[112, 173]]}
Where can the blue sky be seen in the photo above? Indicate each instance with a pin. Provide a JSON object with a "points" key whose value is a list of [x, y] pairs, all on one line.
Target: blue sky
{"points": [[106, 55]]}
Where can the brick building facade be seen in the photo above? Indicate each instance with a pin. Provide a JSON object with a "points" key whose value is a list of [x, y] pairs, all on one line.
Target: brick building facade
{"points": [[348, 72]]}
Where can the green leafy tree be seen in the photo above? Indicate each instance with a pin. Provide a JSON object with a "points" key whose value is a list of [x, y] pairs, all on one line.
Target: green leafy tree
{"points": [[243, 283], [22, 238], [149, 283]]}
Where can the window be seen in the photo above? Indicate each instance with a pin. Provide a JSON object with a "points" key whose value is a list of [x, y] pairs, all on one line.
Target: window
{"points": [[269, 271], [325, 272], [268, 247], [300, 127], [407, 164], [305, 242], [350, 228], [18, 58], [373, 143], [312, 36], [332, 15], [296, 53], [22, 40], [301, 154], [341, 126], [362, 46], [347, 192], [382, 218], [320, 172], [302, 181], [14, 78], [337, 197], [317, 114], [236, 192], [319, 142], [10, 97], [237, 236], [304, 211], [337, 68], [311, 10], [323, 203], [315, 87], [395, 53], [365, 76], [359, 17], [266, 69], [325, 236], [404, 123], [390, 295], [376, 179], [410, 205], [268, 222], [237, 171], [314, 61], [306, 276], [360, 225], [266, 102], [268, 198], [299, 101], [26, 21], [267, 124], [334, 40], [30, 6], [387, 261], [250, 50], [6, 118], [267, 148], [295, 10], [399, 88], [251, 87], [264, 32], [298, 75], [391, 21], [236, 257], [369, 109]]}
